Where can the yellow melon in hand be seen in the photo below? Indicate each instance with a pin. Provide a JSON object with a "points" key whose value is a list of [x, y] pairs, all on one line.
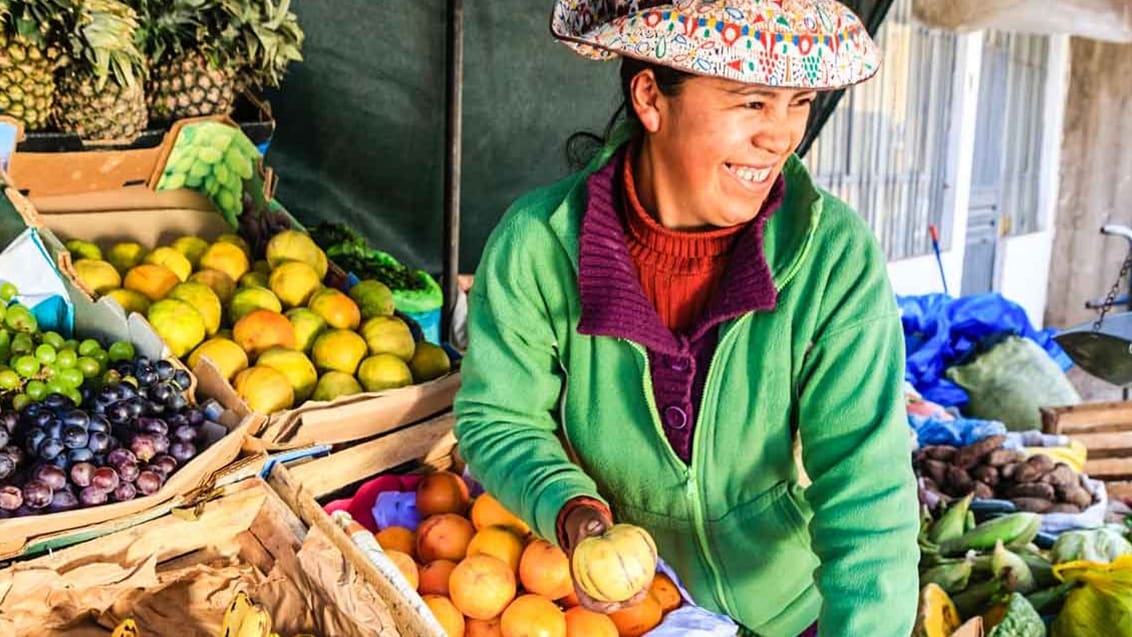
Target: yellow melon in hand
{"points": [[615, 566]]}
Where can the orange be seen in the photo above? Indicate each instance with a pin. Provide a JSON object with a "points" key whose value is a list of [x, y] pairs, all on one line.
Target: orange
{"points": [[487, 511], [398, 538], [533, 616], [500, 542], [444, 537], [581, 622], [483, 628], [482, 586], [665, 592], [434, 577], [545, 570], [635, 621], [442, 492], [407, 566], [446, 613]]}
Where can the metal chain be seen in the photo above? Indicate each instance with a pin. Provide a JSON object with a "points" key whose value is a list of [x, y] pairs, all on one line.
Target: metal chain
{"points": [[1111, 298]]}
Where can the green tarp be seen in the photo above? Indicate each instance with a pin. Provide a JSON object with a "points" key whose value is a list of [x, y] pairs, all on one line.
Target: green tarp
{"points": [[360, 135]]}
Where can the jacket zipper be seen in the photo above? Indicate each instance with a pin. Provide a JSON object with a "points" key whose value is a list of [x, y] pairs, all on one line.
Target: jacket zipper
{"points": [[692, 491]]}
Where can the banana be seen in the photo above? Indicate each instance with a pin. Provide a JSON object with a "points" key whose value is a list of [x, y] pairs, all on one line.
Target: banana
{"points": [[126, 628], [970, 524], [1008, 566], [234, 616], [951, 523], [1015, 529], [256, 623], [952, 578]]}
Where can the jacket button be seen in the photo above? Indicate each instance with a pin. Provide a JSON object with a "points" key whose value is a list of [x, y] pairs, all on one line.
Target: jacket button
{"points": [[675, 417]]}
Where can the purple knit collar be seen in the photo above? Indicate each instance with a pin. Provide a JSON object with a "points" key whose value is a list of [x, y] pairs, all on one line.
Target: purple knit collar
{"points": [[613, 302]]}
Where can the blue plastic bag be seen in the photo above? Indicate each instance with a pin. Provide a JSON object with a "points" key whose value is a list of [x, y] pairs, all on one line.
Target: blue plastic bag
{"points": [[941, 331], [958, 432], [396, 508]]}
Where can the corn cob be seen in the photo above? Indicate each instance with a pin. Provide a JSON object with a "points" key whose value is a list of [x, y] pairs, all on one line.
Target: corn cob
{"points": [[951, 523], [1048, 601], [977, 597], [952, 578], [1016, 529], [1007, 565], [1040, 567]]}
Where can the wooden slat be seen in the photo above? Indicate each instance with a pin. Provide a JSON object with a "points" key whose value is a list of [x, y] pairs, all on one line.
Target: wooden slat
{"points": [[1088, 417], [326, 475], [1106, 445], [1119, 490], [1110, 469]]}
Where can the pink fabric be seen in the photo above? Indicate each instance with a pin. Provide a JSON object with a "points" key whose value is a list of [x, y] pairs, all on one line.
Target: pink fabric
{"points": [[360, 507]]}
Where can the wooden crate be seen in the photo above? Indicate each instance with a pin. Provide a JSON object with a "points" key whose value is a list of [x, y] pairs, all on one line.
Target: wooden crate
{"points": [[430, 442], [247, 525], [428, 445], [1106, 431]]}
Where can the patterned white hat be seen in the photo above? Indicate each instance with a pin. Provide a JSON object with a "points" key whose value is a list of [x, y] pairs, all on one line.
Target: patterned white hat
{"points": [[801, 44]]}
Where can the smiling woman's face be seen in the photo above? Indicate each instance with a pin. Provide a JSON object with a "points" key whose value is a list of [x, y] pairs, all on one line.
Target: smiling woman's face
{"points": [[713, 150]]}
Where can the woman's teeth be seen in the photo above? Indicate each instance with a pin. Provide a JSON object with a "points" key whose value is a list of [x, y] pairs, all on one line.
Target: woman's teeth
{"points": [[748, 174]]}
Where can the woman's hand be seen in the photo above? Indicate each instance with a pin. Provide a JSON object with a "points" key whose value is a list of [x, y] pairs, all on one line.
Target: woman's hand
{"points": [[583, 522]]}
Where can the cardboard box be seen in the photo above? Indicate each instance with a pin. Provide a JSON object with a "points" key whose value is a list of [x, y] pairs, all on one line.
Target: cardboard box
{"points": [[61, 163], [138, 213], [105, 321], [177, 573]]}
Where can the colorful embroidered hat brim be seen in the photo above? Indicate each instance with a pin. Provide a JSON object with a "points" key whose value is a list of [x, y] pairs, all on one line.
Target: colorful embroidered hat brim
{"points": [[800, 44]]}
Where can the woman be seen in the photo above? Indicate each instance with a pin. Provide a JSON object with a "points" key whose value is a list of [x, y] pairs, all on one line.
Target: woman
{"points": [[652, 339]]}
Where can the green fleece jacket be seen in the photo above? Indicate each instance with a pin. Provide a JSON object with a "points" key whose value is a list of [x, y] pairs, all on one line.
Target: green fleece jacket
{"points": [[546, 414]]}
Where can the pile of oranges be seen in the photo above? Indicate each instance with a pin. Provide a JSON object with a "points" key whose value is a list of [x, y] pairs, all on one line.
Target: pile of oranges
{"points": [[485, 574]]}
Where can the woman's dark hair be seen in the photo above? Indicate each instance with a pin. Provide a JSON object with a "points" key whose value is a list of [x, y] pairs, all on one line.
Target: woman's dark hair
{"points": [[583, 145]]}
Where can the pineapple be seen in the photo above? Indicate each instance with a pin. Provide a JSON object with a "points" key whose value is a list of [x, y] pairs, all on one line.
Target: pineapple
{"points": [[204, 52], [29, 56], [101, 93]]}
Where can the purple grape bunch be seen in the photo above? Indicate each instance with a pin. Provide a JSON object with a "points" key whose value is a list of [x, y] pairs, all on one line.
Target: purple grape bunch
{"points": [[135, 427]]}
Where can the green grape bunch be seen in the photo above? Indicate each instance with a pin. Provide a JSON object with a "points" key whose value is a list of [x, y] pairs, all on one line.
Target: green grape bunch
{"points": [[34, 364], [214, 159]]}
